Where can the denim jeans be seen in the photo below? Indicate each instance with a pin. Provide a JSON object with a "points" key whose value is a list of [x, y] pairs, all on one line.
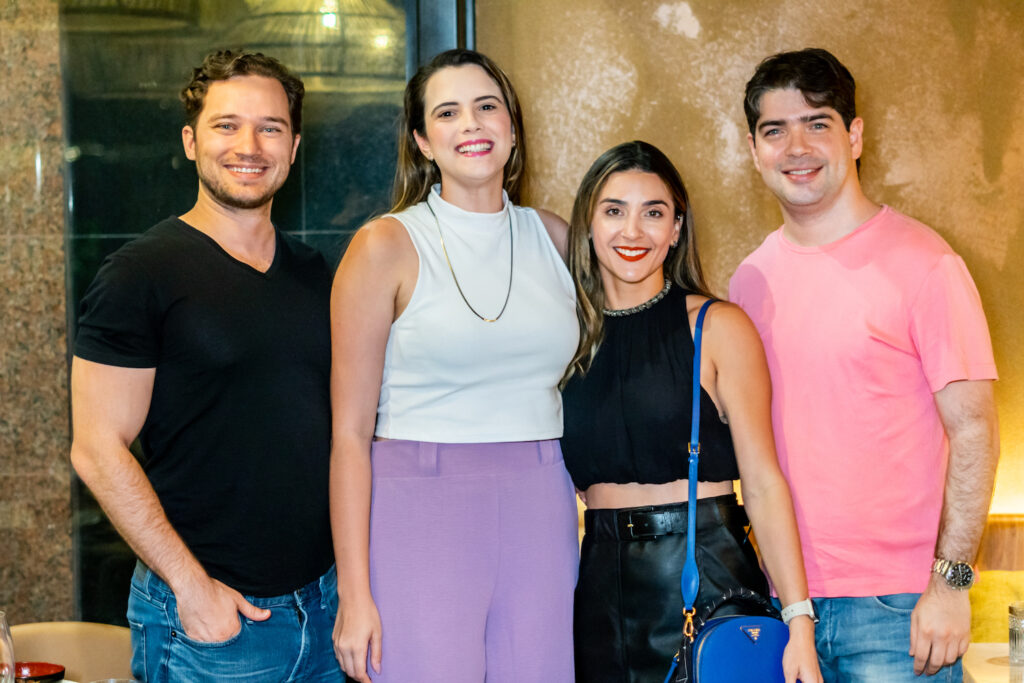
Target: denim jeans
{"points": [[294, 644], [867, 640]]}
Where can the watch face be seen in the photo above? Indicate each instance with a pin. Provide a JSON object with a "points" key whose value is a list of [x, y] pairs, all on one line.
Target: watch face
{"points": [[960, 575]]}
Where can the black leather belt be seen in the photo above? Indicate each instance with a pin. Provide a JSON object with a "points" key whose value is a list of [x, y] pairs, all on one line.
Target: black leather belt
{"points": [[650, 522]]}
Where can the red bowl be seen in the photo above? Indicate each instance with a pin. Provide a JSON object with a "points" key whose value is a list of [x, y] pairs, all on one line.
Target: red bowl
{"points": [[38, 671]]}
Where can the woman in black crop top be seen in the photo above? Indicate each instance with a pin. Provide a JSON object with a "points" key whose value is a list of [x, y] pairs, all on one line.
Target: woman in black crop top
{"points": [[627, 404]]}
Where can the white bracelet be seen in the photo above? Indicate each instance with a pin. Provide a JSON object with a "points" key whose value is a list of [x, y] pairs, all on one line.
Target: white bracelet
{"points": [[804, 607]]}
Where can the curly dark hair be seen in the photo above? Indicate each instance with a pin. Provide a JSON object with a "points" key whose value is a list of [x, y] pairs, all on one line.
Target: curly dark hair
{"points": [[224, 64]]}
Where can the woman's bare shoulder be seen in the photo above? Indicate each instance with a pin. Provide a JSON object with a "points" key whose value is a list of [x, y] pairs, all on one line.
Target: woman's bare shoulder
{"points": [[723, 321], [380, 241], [731, 336]]}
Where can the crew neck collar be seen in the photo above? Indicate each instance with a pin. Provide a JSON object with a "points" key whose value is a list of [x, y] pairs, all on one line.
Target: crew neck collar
{"points": [[790, 245], [446, 210]]}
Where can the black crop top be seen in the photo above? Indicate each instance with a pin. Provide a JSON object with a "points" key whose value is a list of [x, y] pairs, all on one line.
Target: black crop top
{"points": [[628, 419]]}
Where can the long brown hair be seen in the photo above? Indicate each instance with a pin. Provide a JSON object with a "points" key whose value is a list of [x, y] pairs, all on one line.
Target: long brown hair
{"points": [[682, 263], [415, 174]]}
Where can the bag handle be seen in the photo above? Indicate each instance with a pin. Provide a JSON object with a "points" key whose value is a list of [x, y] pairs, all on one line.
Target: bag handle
{"points": [[753, 603], [690, 581]]}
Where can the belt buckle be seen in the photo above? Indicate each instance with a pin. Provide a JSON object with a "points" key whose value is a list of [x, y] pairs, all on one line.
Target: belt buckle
{"points": [[634, 532], [631, 526]]}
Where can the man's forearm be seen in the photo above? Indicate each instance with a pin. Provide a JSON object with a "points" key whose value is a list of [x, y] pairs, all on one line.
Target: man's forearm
{"points": [[968, 415], [117, 481]]}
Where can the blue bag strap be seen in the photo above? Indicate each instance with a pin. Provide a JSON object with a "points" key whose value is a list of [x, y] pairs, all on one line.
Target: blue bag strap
{"points": [[690, 582]]}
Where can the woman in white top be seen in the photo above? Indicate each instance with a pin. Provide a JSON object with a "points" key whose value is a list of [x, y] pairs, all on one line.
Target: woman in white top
{"points": [[452, 318]]}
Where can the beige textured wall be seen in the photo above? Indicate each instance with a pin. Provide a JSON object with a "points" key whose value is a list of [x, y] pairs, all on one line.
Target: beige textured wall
{"points": [[940, 90]]}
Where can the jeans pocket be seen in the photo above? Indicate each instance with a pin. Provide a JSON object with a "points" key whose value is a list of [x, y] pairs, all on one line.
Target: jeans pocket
{"points": [[179, 635], [901, 603], [178, 631]]}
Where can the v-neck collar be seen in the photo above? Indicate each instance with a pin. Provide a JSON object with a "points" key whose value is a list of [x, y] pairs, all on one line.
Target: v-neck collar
{"points": [[271, 269]]}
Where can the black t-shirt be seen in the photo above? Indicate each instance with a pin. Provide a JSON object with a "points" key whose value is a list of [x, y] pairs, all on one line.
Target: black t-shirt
{"points": [[628, 419], [237, 438]]}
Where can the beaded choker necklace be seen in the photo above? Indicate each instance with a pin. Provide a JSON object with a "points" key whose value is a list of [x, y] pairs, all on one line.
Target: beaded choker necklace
{"points": [[618, 313], [511, 252]]}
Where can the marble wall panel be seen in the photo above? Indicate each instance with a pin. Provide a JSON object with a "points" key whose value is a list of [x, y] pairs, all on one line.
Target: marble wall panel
{"points": [[35, 511], [939, 87]]}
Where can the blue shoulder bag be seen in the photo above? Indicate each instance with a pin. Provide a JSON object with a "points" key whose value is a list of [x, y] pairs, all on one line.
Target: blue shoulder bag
{"points": [[736, 648]]}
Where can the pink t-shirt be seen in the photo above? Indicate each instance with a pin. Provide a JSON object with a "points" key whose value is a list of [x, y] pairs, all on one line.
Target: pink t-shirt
{"points": [[859, 334]]}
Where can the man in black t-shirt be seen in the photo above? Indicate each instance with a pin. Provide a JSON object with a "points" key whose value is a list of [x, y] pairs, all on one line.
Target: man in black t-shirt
{"points": [[208, 338]]}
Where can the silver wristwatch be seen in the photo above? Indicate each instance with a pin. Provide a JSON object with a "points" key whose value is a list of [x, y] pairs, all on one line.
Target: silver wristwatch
{"points": [[804, 607], [958, 575]]}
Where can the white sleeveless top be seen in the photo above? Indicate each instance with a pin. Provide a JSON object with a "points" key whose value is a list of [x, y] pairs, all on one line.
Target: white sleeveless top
{"points": [[450, 377]]}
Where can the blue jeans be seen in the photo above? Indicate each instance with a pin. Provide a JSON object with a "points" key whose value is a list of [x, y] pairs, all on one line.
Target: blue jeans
{"points": [[867, 640], [294, 644]]}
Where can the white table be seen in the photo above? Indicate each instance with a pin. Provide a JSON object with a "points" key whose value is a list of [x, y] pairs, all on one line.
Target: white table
{"points": [[990, 663]]}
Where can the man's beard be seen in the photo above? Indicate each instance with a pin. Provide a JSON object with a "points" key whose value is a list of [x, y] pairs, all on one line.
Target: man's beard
{"points": [[222, 194]]}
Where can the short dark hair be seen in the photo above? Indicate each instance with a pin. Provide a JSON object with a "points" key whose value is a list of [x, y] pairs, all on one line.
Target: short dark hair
{"points": [[224, 64], [815, 72]]}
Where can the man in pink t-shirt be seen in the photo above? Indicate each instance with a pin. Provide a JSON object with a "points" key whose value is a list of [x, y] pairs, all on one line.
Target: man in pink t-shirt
{"points": [[882, 372]]}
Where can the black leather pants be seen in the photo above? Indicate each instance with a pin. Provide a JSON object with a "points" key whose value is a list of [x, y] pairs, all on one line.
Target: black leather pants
{"points": [[628, 610]]}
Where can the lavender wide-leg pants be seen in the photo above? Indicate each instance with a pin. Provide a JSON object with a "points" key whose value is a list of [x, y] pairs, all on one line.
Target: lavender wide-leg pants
{"points": [[473, 560]]}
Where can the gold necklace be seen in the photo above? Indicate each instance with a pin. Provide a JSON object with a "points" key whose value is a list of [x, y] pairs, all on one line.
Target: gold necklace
{"points": [[451, 270]]}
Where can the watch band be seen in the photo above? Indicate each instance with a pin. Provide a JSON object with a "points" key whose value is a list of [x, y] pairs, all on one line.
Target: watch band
{"points": [[796, 609]]}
